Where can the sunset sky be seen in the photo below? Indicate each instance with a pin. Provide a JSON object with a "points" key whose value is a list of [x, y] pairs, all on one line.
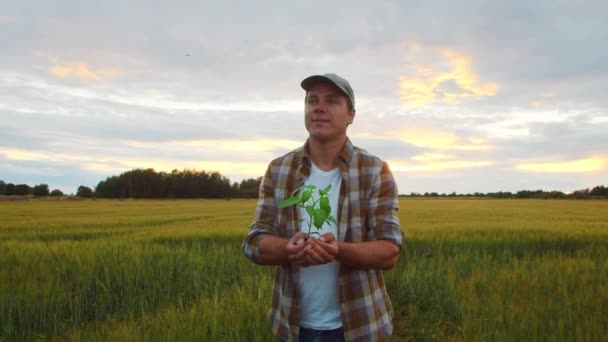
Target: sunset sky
{"points": [[474, 96]]}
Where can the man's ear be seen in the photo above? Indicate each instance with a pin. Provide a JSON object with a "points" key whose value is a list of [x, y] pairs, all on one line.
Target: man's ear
{"points": [[352, 116]]}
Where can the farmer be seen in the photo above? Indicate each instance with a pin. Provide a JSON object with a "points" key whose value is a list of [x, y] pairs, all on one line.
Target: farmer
{"points": [[329, 286]]}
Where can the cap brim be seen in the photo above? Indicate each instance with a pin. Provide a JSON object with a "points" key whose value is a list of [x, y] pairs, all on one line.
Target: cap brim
{"points": [[308, 82], [332, 79]]}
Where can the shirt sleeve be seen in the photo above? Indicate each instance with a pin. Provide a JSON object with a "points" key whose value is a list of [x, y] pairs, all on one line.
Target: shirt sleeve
{"points": [[264, 221], [383, 208]]}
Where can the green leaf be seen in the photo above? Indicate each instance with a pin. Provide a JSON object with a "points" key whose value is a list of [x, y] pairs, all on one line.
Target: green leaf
{"points": [[290, 201], [305, 196], [293, 194], [324, 205], [319, 218], [325, 191], [332, 220], [310, 210]]}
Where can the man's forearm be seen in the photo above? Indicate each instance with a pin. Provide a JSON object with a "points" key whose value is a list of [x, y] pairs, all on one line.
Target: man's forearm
{"points": [[379, 254], [272, 250]]}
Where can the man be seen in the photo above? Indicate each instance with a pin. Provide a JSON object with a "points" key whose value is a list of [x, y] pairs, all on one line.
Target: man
{"points": [[329, 287]]}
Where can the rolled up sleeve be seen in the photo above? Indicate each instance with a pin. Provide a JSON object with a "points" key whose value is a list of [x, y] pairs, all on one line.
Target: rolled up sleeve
{"points": [[384, 206], [264, 221]]}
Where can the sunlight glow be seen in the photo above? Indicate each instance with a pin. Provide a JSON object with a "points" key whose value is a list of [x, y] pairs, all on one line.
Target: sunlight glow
{"points": [[18, 154], [428, 137], [113, 165], [438, 139], [83, 72], [450, 87]]}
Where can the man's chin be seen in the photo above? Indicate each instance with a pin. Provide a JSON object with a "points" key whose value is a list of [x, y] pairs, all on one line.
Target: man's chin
{"points": [[323, 137]]}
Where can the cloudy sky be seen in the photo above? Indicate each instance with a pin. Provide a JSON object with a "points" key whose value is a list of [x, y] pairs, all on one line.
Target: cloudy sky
{"points": [[456, 96]]}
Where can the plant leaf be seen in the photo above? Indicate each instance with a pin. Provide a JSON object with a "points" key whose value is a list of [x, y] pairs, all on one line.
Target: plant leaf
{"points": [[293, 194], [290, 201], [325, 191], [319, 218], [324, 205], [310, 210], [305, 196], [332, 220]]}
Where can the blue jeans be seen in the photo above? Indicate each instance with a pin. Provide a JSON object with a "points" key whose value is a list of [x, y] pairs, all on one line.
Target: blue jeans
{"points": [[311, 335]]}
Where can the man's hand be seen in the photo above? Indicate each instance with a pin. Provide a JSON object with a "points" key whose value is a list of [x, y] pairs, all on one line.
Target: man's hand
{"points": [[324, 249], [296, 250]]}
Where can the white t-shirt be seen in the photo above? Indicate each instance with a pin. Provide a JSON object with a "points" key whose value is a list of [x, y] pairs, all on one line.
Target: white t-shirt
{"points": [[318, 285]]}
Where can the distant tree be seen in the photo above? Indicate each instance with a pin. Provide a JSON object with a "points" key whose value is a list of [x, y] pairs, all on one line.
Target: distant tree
{"points": [[599, 191], [2, 187], [140, 183], [250, 188], [580, 194], [556, 194], [234, 192], [56, 193], [10, 189], [22, 190], [41, 190], [84, 191], [112, 187]]}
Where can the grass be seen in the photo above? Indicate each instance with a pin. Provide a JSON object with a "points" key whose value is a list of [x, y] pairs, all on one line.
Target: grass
{"points": [[173, 270]]}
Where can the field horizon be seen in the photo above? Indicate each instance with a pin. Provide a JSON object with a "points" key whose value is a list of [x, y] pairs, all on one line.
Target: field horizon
{"points": [[165, 269]]}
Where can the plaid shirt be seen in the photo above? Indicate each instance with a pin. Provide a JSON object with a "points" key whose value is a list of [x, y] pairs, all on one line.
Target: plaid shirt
{"points": [[368, 207]]}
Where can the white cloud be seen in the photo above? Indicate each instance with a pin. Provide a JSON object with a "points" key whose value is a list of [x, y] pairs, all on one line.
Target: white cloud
{"points": [[89, 91]]}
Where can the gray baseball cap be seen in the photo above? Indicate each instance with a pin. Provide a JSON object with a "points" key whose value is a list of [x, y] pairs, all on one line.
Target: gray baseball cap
{"points": [[334, 79]]}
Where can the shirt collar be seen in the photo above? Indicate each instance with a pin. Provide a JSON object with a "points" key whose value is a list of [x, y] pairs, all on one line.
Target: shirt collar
{"points": [[344, 157]]}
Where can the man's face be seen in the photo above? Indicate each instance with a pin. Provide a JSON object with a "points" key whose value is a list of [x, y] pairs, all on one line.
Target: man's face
{"points": [[326, 112]]}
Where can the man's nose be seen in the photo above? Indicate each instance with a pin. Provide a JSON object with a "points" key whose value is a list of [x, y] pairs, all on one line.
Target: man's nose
{"points": [[320, 107]]}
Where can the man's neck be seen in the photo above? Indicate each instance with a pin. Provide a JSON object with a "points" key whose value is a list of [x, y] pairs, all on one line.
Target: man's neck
{"points": [[325, 154]]}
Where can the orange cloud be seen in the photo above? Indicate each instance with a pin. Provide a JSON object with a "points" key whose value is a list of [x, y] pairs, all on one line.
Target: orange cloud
{"points": [[451, 86], [438, 139], [83, 72], [428, 137], [573, 166]]}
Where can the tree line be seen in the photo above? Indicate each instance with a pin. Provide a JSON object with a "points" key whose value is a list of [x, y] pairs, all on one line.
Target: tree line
{"points": [[147, 183], [11, 189], [599, 192]]}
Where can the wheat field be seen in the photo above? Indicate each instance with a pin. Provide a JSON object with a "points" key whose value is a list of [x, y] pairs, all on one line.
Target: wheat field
{"points": [[159, 270]]}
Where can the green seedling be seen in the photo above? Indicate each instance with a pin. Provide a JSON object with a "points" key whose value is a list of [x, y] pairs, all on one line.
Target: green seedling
{"points": [[319, 210]]}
